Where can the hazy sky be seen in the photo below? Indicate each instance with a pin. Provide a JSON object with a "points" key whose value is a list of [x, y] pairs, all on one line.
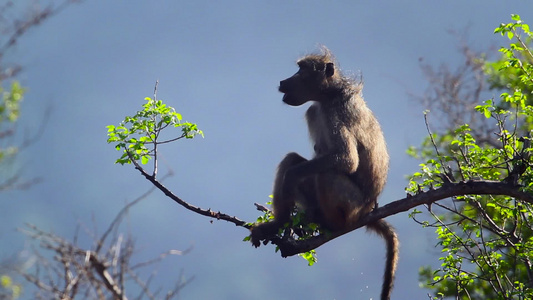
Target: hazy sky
{"points": [[219, 64]]}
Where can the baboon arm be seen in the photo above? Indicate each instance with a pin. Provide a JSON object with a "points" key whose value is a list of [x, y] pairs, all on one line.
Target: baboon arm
{"points": [[339, 153], [346, 158]]}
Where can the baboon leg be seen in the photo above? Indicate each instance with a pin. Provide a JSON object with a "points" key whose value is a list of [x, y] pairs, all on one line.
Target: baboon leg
{"points": [[282, 205], [340, 199]]}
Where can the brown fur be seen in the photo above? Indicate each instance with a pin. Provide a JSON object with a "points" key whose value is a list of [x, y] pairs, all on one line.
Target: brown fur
{"points": [[342, 181]]}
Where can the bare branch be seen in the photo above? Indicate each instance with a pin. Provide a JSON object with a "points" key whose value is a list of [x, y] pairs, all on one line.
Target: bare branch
{"points": [[77, 272], [122, 213], [204, 212]]}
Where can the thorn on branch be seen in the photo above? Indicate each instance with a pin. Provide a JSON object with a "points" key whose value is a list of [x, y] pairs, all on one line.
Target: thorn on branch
{"points": [[261, 207]]}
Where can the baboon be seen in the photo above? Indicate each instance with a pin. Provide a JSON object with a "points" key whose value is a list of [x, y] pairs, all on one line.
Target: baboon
{"points": [[342, 181]]}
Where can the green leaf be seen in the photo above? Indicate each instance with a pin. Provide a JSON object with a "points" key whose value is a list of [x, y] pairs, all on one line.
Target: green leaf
{"points": [[145, 159], [487, 113], [310, 257], [5, 281]]}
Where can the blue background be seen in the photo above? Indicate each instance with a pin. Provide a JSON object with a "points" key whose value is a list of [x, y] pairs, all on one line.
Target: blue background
{"points": [[219, 64]]}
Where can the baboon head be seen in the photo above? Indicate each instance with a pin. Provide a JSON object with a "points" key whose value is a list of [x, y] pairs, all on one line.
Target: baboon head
{"points": [[316, 74]]}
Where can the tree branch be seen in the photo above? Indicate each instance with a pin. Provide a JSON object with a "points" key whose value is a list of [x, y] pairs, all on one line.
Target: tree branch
{"points": [[290, 247], [204, 212]]}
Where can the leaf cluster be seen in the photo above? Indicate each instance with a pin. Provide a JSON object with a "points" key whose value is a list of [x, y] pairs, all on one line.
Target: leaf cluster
{"points": [[10, 102], [8, 288], [514, 69], [486, 240], [139, 135], [9, 112]]}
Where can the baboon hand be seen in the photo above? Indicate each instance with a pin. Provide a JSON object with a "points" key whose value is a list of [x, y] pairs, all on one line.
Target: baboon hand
{"points": [[262, 232], [256, 236]]}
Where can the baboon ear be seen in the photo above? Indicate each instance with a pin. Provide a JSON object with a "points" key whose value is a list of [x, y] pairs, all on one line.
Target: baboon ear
{"points": [[330, 69]]}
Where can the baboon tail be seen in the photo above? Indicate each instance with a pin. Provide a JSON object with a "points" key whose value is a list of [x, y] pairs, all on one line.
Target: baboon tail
{"points": [[387, 232]]}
